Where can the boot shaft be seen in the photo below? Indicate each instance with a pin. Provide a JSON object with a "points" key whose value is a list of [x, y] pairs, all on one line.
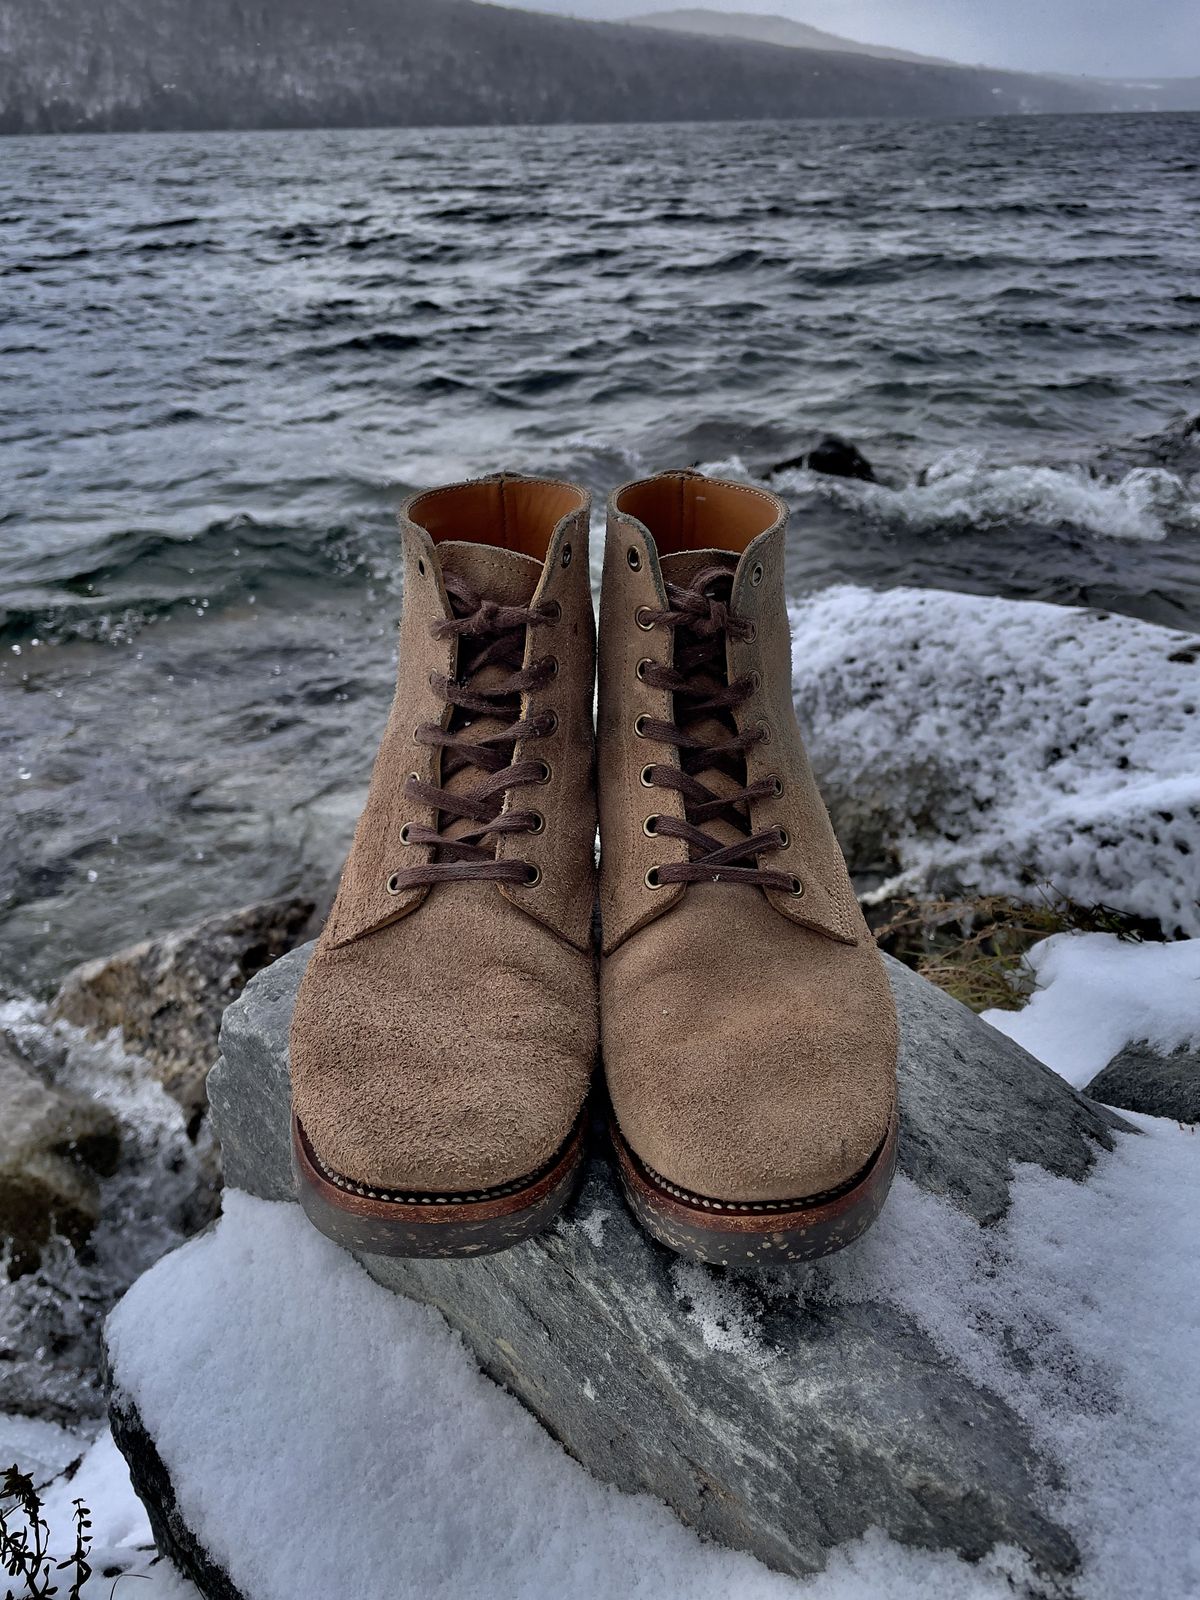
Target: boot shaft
{"points": [[503, 542], [663, 533]]}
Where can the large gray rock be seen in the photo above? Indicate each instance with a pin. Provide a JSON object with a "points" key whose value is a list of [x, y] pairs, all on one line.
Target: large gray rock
{"points": [[53, 1145], [167, 995], [857, 1419], [1141, 1078]]}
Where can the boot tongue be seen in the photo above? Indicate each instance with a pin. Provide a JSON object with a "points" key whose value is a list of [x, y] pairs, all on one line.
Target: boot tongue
{"points": [[509, 579], [681, 569], [505, 576]]}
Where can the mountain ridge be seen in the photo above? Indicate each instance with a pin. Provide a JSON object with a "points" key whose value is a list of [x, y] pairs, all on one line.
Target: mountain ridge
{"points": [[771, 28], [89, 66]]}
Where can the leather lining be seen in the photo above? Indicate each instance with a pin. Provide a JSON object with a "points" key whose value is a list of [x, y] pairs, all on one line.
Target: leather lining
{"points": [[510, 512], [684, 511]]}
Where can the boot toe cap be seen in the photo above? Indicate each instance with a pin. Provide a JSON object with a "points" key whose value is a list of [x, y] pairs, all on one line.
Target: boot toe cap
{"points": [[403, 1080]]}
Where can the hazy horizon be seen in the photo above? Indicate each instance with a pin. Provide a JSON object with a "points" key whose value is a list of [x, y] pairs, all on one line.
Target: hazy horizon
{"points": [[1101, 38]]}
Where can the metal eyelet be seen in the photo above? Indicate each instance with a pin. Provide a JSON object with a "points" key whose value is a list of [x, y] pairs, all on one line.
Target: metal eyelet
{"points": [[647, 780], [642, 665], [797, 888], [551, 665], [756, 575], [764, 733], [552, 609], [777, 786], [533, 876], [547, 772], [404, 839], [537, 824], [785, 839], [652, 879], [634, 557], [752, 634], [639, 727], [755, 682], [421, 568], [650, 826], [640, 615], [566, 555], [551, 723], [392, 886]]}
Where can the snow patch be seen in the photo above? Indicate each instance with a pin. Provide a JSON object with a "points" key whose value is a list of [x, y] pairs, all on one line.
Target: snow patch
{"points": [[1002, 742], [1096, 994], [724, 1317], [592, 1226]]}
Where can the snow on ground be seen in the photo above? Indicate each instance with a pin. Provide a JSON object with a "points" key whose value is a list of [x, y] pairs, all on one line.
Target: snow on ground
{"points": [[1096, 994], [1003, 743]]}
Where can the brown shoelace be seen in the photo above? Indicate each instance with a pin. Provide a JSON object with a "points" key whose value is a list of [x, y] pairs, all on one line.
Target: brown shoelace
{"points": [[701, 620], [489, 635]]}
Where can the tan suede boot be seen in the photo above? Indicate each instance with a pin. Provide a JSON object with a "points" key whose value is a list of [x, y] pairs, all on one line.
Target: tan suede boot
{"points": [[445, 1033], [748, 1032]]}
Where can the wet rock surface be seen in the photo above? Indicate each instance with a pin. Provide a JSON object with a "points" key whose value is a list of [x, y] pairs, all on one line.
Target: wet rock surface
{"points": [[167, 995], [1141, 1078], [836, 1416], [54, 1146]]}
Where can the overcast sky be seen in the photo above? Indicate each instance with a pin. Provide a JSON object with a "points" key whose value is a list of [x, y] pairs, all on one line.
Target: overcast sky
{"points": [[1110, 38]]}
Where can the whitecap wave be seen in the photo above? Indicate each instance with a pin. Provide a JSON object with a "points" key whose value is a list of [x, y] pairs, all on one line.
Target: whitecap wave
{"points": [[962, 491]]}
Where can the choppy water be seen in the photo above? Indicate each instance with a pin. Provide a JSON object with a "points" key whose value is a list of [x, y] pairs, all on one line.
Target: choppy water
{"points": [[224, 359]]}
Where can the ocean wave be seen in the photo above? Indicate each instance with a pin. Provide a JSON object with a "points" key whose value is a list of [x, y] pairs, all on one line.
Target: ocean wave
{"points": [[962, 492], [109, 590]]}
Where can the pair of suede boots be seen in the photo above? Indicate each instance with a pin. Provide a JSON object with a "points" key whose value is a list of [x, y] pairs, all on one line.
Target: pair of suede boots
{"points": [[447, 1031]]}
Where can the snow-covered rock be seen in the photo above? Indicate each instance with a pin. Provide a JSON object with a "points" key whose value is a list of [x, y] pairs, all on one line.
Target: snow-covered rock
{"points": [[1117, 1018], [1003, 744], [785, 1415], [1094, 994], [1140, 1078]]}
